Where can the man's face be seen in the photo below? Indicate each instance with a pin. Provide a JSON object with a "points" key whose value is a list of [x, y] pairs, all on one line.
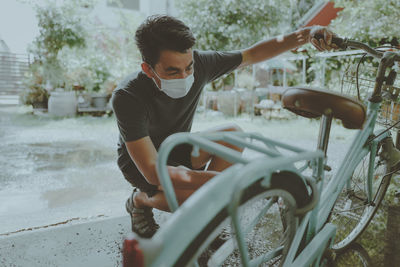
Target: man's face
{"points": [[174, 65]]}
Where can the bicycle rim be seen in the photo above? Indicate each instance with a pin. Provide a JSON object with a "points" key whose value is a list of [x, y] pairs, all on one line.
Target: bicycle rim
{"points": [[352, 213], [266, 235]]}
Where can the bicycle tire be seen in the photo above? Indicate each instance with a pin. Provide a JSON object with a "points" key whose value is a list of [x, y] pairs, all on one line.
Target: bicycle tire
{"points": [[351, 212], [355, 255], [253, 192]]}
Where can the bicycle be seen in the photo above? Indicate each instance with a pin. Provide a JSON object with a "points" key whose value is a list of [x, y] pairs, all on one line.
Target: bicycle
{"points": [[285, 188]]}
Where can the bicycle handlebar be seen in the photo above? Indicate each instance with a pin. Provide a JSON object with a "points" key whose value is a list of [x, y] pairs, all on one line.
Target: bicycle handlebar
{"points": [[387, 60], [344, 43]]}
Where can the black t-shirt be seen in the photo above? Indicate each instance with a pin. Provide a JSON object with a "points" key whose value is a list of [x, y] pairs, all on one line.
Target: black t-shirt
{"points": [[141, 109]]}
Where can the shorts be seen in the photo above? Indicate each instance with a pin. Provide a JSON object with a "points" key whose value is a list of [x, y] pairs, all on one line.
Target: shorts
{"points": [[180, 155]]}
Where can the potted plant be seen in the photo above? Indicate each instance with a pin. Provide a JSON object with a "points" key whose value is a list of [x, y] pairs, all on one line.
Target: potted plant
{"points": [[37, 96], [102, 83], [102, 96], [80, 79], [35, 93], [59, 27]]}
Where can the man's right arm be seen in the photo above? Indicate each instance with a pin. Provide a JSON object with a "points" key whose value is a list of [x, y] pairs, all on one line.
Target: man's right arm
{"points": [[144, 155]]}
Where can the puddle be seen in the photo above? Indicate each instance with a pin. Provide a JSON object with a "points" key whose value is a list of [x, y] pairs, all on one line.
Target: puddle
{"points": [[65, 196]]}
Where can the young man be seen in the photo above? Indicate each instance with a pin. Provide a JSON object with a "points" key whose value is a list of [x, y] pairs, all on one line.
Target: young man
{"points": [[161, 100]]}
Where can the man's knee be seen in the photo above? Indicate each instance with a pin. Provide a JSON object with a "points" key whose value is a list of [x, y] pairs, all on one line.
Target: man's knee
{"points": [[232, 127], [228, 127]]}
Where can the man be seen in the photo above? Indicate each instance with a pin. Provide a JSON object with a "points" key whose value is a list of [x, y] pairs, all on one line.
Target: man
{"points": [[161, 99]]}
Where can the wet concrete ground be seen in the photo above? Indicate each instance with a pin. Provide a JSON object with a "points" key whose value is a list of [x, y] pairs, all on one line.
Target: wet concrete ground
{"points": [[59, 181]]}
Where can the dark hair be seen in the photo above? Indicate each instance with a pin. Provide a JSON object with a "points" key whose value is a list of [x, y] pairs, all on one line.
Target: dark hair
{"points": [[162, 32]]}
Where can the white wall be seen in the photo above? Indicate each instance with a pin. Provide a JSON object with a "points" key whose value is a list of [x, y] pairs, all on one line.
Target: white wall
{"points": [[18, 25], [151, 7]]}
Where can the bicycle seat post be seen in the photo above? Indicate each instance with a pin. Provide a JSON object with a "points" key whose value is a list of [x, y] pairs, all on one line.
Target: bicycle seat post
{"points": [[324, 130]]}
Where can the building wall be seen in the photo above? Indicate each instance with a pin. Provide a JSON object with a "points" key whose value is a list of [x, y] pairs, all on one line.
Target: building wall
{"points": [[151, 7]]}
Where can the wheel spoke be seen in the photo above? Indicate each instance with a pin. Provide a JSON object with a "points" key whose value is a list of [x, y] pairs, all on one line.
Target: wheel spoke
{"points": [[264, 234], [352, 211]]}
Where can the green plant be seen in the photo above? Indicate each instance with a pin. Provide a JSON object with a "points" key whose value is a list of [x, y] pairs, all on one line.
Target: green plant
{"points": [[59, 26], [234, 24], [107, 57], [35, 91], [36, 94], [354, 21]]}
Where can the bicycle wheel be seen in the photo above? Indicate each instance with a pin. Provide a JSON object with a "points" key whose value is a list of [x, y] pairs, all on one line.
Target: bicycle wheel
{"points": [[352, 213], [355, 255], [267, 230]]}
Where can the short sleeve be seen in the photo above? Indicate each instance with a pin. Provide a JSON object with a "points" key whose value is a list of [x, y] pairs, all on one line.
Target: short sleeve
{"points": [[131, 114], [215, 64]]}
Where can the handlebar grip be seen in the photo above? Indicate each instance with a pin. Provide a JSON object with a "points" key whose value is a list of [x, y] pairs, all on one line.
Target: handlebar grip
{"points": [[340, 42]]}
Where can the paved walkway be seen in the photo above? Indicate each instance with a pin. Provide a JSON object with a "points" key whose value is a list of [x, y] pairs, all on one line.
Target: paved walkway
{"points": [[92, 243]]}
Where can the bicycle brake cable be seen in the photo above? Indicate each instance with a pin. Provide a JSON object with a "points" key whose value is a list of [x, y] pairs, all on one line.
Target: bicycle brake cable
{"points": [[357, 69], [387, 129]]}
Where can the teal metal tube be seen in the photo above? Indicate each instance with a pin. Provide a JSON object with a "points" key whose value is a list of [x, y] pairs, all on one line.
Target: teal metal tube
{"points": [[180, 138], [277, 143], [240, 142], [353, 156], [371, 168], [191, 217], [266, 257], [329, 196], [162, 170], [252, 172], [205, 141], [301, 231], [217, 149], [315, 248], [355, 149]]}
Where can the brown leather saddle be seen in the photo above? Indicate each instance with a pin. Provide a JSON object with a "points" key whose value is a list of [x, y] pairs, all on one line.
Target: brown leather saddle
{"points": [[313, 103]]}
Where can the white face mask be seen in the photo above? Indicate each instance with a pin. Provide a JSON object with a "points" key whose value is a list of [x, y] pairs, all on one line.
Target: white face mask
{"points": [[175, 88]]}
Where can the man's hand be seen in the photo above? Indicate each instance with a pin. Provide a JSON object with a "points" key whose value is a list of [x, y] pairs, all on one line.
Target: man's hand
{"points": [[321, 38]]}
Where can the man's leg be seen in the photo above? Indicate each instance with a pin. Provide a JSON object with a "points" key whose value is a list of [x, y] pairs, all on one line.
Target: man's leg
{"points": [[144, 201], [216, 163], [158, 200]]}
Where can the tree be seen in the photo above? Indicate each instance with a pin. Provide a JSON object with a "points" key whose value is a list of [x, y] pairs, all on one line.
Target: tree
{"points": [[235, 24], [373, 21], [59, 26]]}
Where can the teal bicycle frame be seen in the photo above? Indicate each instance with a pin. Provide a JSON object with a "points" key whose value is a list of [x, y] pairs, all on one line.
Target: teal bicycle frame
{"points": [[225, 189], [319, 233], [222, 190]]}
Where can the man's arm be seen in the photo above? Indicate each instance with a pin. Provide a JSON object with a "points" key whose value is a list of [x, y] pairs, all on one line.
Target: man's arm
{"points": [[144, 154], [275, 46]]}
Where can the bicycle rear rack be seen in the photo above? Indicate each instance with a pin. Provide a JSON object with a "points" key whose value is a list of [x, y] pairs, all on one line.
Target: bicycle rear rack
{"points": [[275, 155]]}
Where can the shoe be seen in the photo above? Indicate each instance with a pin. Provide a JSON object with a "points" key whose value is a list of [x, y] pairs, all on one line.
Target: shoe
{"points": [[143, 223]]}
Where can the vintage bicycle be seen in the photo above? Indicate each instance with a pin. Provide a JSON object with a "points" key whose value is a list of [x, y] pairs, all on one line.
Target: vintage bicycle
{"points": [[281, 208]]}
